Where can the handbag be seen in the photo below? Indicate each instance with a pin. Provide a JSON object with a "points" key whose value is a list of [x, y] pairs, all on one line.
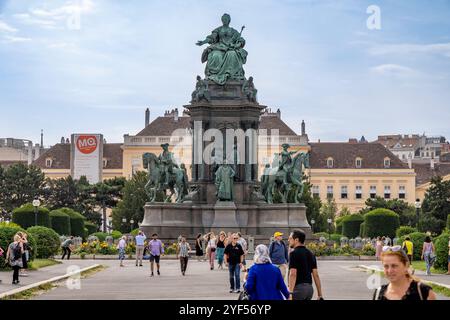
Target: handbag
{"points": [[244, 295]]}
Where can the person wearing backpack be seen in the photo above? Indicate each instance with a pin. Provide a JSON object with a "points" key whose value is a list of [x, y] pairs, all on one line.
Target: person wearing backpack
{"points": [[278, 253], [14, 257]]}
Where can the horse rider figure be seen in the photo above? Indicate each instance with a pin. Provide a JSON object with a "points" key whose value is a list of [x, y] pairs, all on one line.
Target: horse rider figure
{"points": [[167, 161], [286, 161]]}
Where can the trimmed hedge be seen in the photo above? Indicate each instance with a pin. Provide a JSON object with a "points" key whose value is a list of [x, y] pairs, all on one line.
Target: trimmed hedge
{"points": [[116, 234], [100, 235], [381, 222], [362, 230], [60, 222], [135, 232], [25, 216], [404, 230], [351, 225], [47, 240], [336, 237], [7, 236], [417, 238], [339, 224], [76, 222], [91, 227], [448, 222], [441, 245]]}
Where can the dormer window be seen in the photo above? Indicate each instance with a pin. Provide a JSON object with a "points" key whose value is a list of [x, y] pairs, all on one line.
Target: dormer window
{"points": [[358, 162], [48, 162], [387, 162], [330, 162]]}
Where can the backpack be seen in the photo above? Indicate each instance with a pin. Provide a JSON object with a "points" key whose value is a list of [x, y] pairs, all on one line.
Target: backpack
{"points": [[17, 252], [273, 244]]}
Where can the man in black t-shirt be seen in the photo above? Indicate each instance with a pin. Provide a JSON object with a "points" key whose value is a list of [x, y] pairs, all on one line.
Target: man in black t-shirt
{"points": [[302, 269], [234, 255]]}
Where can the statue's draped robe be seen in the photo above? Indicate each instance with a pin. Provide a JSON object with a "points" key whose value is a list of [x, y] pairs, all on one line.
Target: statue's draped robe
{"points": [[224, 183], [225, 55]]}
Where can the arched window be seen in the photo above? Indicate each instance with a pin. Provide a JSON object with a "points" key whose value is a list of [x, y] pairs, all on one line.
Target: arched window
{"points": [[358, 162], [387, 162], [330, 162], [48, 162]]}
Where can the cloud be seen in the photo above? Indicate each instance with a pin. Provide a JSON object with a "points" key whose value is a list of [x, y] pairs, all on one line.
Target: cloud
{"points": [[6, 27], [392, 69], [402, 49], [50, 18], [11, 39]]}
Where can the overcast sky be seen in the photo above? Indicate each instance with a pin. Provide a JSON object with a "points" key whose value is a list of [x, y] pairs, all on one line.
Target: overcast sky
{"points": [[315, 60]]}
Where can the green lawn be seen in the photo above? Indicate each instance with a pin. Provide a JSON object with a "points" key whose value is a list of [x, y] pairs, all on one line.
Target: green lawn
{"points": [[41, 263], [420, 265]]}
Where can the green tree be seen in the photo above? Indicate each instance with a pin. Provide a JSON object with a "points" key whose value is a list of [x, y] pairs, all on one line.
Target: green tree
{"points": [[132, 204], [328, 211], [313, 205], [405, 211], [437, 202], [20, 184], [61, 192]]}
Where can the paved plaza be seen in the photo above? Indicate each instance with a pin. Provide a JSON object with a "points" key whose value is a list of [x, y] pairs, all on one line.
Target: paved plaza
{"points": [[341, 280]]}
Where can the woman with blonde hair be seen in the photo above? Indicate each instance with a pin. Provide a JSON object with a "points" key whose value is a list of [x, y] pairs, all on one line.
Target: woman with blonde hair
{"points": [[402, 285], [14, 257]]}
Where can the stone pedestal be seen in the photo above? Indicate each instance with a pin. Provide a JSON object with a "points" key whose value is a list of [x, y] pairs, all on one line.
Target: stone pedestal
{"points": [[225, 216]]}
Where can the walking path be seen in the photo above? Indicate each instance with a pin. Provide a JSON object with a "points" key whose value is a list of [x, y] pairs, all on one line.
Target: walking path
{"points": [[341, 280]]}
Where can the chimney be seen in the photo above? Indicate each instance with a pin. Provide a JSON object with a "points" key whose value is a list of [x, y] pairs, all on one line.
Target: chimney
{"points": [[278, 113], [42, 138], [67, 141], [352, 140], [147, 117], [432, 164], [62, 140], [318, 141], [303, 128], [175, 115]]}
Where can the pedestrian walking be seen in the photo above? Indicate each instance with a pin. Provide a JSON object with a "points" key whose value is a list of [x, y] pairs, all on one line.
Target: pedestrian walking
{"points": [[199, 247], [234, 255], [1, 255], [67, 248], [428, 254], [25, 255], [302, 269], [122, 245], [378, 247], [211, 246], [243, 244], [221, 243], [183, 249], [14, 257], [402, 285], [278, 253], [140, 245], [264, 279], [156, 249]]}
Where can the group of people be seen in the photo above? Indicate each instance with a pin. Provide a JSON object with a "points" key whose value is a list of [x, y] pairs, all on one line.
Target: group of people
{"points": [[18, 255], [153, 247], [428, 253]]}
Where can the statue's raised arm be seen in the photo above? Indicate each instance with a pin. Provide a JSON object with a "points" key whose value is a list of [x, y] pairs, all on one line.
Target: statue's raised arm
{"points": [[225, 54]]}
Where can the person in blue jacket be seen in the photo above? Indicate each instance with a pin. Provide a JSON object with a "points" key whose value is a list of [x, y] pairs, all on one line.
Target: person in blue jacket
{"points": [[264, 281]]}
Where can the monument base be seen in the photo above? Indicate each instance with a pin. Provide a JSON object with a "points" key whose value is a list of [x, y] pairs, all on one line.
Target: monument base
{"points": [[260, 220]]}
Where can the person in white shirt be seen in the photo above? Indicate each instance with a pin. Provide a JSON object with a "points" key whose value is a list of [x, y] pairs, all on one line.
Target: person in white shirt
{"points": [[122, 245], [140, 245]]}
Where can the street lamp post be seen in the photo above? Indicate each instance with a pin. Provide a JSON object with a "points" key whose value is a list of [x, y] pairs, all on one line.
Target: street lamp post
{"points": [[329, 228], [312, 225], [36, 204], [124, 221], [131, 224], [418, 205]]}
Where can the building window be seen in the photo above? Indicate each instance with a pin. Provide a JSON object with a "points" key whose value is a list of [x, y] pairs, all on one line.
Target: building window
{"points": [[387, 192], [387, 162], [329, 191], [315, 191], [358, 162], [401, 192], [344, 193], [358, 192], [330, 163], [373, 192], [105, 162], [48, 162]]}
